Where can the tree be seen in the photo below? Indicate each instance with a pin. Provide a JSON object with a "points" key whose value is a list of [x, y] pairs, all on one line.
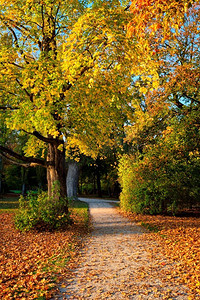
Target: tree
{"points": [[160, 172], [61, 70], [1, 175], [72, 179], [99, 176]]}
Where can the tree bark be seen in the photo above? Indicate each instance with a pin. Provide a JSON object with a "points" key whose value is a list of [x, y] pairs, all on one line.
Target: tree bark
{"points": [[98, 183], [56, 172], [24, 181], [72, 179], [1, 169], [55, 164], [99, 192]]}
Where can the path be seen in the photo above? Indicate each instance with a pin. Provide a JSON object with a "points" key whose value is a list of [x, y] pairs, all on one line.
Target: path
{"points": [[116, 263]]}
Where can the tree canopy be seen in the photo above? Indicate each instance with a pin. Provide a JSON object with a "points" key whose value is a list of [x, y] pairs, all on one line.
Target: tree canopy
{"points": [[61, 68], [161, 171], [75, 74]]}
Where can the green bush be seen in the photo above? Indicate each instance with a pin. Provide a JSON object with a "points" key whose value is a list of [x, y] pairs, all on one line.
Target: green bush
{"points": [[40, 212], [165, 177]]}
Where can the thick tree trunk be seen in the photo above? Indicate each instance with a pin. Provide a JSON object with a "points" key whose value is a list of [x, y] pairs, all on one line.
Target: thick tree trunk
{"points": [[1, 171], [1, 190], [72, 179], [56, 172]]}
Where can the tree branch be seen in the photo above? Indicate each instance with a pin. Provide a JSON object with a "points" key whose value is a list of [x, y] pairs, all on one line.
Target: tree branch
{"points": [[42, 138], [30, 160], [66, 87], [16, 65], [15, 38], [46, 140], [25, 56], [25, 90], [192, 99], [15, 162], [8, 107]]}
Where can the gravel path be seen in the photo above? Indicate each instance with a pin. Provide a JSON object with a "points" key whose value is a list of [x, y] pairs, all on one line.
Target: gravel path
{"points": [[117, 263]]}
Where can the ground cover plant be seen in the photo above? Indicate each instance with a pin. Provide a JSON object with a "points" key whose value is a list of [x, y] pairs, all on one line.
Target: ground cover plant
{"points": [[179, 240], [33, 263]]}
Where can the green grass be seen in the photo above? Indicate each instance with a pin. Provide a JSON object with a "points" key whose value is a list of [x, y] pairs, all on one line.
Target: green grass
{"points": [[77, 204], [16, 191], [115, 204], [9, 204], [77, 208], [79, 211], [150, 227]]}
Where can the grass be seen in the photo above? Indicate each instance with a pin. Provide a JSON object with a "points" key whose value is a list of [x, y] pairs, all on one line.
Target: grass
{"points": [[16, 191], [79, 211], [115, 204], [150, 227], [9, 203]]}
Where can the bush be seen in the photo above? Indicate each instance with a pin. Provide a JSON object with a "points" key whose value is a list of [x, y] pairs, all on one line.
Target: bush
{"points": [[164, 178], [40, 212]]}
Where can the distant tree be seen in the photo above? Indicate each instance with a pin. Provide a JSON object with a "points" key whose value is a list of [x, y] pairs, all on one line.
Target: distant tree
{"points": [[72, 179]]}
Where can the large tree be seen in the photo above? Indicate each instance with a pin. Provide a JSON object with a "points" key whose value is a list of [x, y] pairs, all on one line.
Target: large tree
{"points": [[161, 170], [63, 78]]}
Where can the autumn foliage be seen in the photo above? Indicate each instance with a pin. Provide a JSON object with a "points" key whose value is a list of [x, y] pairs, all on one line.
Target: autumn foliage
{"points": [[150, 16], [160, 172], [179, 240], [33, 263], [61, 68]]}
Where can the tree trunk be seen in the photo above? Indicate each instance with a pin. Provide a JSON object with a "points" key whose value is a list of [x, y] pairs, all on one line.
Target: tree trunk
{"points": [[1, 172], [72, 179], [24, 175], [99, 192], [94, 181], [99, 184], [56, 172]]}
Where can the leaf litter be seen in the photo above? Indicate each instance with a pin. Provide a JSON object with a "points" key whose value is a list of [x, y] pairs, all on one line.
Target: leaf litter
{"points": [[123, 261], [33, 263]]}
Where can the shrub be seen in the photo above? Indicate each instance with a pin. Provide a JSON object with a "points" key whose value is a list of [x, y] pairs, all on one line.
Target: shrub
{"points": [[41, 213], [162, 180]]}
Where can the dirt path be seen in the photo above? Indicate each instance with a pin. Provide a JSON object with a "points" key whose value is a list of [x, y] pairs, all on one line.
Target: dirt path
{"points": [[116, 263]]}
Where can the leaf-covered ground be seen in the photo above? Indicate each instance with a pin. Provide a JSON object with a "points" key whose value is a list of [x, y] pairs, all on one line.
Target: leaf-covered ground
{"points": [[117, 263], [179, 240], [31, 264]]}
